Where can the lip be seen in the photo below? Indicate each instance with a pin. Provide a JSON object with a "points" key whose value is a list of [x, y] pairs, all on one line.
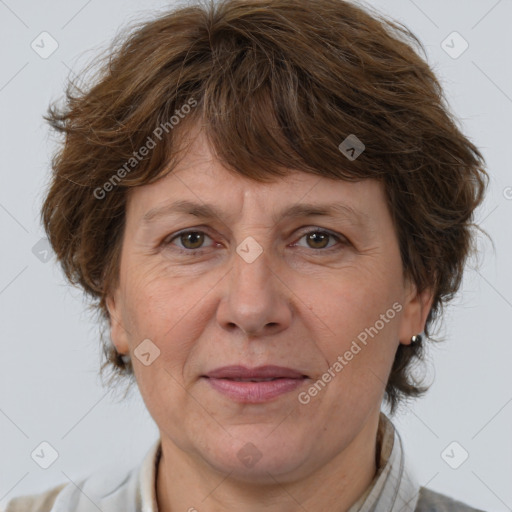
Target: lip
{"points": [[223, 381], [260, 372]]}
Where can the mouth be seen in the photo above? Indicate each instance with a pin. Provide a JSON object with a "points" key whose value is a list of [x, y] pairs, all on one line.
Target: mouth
{"points": [[254, 380], [260, 373], [256, 385]]}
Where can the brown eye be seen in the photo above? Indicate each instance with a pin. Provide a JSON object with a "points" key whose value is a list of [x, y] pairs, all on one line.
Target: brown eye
{"points": [[188, 241], [318, 239], [192, 239]]}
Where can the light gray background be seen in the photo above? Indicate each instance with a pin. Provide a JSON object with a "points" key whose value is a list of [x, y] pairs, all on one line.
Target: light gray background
{"points": [[49, 388]]}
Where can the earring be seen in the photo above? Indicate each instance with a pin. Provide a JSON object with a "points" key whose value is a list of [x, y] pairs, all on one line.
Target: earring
{"points": [[417, 338]]}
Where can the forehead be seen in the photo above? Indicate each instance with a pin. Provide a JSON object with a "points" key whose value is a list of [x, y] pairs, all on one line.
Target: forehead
{"points": [[201, 185]]}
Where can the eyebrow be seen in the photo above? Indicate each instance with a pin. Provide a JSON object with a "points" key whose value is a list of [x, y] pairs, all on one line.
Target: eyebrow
{"points": [[209, 211]]}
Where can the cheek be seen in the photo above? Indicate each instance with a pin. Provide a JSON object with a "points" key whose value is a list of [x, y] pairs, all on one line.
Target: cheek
{"points": [[152, 298], [350, 305], [347, 324], [170, 311]]}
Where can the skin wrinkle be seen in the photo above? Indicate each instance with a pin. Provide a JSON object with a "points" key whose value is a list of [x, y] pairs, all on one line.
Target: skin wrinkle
{"points": [[287, 308]]}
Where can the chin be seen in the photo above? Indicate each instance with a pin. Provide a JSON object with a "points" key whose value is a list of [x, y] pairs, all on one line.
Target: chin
{"points": [[262, 460]]}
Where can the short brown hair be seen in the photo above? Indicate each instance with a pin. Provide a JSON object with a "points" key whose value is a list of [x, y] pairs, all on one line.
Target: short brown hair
{"points": [[277, 85]]}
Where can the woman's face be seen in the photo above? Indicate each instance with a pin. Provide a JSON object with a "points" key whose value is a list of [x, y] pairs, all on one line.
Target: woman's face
{"points": [[261, 279]]}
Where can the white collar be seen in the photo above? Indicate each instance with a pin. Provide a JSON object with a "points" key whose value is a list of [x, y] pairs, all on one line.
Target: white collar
{"points": [[395, 487]]}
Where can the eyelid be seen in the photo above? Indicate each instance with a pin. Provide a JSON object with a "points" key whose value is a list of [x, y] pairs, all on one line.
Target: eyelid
{"points": [[317, 229], [173, 236]]}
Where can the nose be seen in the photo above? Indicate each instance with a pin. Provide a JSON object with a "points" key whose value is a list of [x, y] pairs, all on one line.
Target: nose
{"points": [[255, 301]]}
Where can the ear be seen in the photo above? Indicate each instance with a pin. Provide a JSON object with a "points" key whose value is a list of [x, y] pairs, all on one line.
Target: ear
{"points": [[117, 331], [416, 309]]}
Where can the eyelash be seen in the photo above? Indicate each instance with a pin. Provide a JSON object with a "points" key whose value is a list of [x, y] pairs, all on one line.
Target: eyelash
{"points": [[199, 251]]}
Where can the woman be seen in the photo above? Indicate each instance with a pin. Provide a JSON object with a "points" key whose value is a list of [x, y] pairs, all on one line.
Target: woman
{"points": [[270, 203]]}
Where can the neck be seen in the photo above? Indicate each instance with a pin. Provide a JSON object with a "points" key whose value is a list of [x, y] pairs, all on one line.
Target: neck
{"points": [[184, 483]]}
